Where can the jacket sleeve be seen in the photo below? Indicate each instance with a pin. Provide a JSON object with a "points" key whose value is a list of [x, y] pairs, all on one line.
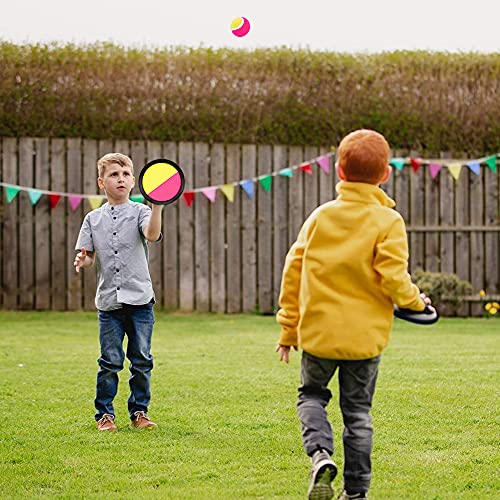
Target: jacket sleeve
{"points": [[391, 263], [288, 315]]}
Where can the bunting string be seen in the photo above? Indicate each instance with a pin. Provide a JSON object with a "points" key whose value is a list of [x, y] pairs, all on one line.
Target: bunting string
{"points": [[265, 180]]}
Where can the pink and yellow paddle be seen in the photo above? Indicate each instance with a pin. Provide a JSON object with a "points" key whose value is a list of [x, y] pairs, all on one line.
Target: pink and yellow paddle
{"points": [[161, 181]]}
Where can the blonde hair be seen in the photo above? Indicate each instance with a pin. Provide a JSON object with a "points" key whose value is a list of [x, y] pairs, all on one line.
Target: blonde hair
{"points": [[364, 156], [110, 158]]}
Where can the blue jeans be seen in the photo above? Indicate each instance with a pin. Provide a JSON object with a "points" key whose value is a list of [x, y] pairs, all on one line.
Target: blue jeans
{"points": [[137, 322], [357, 381]]}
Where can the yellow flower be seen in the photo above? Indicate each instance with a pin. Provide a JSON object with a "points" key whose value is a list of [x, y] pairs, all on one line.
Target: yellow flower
{"points": [[493, 310], [488, 306], [496, 305], [482, 293]]}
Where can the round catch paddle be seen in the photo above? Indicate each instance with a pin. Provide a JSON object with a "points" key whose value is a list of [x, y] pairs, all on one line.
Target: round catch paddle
{"points": [[161, 182], [426, 317]]}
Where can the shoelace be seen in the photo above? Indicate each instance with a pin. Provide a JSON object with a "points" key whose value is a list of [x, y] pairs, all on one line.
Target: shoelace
{"points": [[141, 414], [106, 418]]}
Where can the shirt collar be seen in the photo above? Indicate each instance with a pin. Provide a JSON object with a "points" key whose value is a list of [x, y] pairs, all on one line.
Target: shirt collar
{"points": [[117, 208], [361, 192]]}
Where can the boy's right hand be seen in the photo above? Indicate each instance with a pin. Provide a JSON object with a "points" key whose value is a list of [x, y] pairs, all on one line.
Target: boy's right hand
{"points": [[80, 258], [284, 351], [427, 301]]}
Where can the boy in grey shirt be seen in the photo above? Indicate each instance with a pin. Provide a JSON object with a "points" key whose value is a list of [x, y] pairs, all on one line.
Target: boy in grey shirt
{"points": [[116, 237]]}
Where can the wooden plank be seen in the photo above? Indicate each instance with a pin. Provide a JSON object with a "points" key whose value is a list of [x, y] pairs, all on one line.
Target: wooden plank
{"points": [[416, 195], [264, 235], [492, 240], [92, 151], [10, 241], [170, 244], [477, 242], [26, 233], [201, 209], [123, 146], [248, 232], [58, 255], [233, 212], [462, 249], [186, 237], [388, 187], [138, 155], [217, 233], [73, 222], [42, 227], [311, 182], [295, 194], [431, 218], [402, 188], [280, 220], [154, 152]]}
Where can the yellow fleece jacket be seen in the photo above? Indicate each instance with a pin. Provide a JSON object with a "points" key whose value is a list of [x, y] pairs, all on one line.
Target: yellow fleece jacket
{"points": [[343, 275]]}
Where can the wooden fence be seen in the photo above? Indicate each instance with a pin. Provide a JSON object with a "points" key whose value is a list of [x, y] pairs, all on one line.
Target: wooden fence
{"points": [[224, 257]]}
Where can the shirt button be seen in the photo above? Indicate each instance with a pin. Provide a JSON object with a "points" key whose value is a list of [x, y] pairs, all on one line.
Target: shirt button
{"points": [[117, 270], [116, 252], [118, 288], [114, 234], [112, 208], [114, 217]]}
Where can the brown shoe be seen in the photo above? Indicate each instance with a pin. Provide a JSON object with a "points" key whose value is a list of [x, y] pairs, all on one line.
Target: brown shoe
{"points": [[142, 421], [106, 423]]}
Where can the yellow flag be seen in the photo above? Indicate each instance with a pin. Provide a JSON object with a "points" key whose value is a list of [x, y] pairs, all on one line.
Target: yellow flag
{"points": [[228, 190], [95, 201], [454, 169]]}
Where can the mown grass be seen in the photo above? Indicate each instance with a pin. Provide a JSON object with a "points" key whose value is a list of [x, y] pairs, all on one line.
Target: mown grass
{"points": [[226, 413]]}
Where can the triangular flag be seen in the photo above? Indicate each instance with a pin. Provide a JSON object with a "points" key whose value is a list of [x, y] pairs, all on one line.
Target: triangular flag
{"points": [[54, 200], [11, 193], [286, 172], [324, 163], [248, 187], [74, 201], [34, 195], [415, 164], [492, 163], [138, 198], [434, 169], [210, 193], [397, 163], [474, 166], [306, 168], [455, 169], [188, 198], [228, 190], [95, 201], [266, 182]]}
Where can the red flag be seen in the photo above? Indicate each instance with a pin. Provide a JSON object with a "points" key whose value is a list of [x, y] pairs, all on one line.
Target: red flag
{"points": [[188, 198], [415, 164], [54, 200], [306, 168]]}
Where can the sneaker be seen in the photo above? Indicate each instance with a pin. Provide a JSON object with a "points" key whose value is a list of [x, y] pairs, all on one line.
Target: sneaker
{"points": [[106, 423], [323, 472], [358, 496], [142, 421]]}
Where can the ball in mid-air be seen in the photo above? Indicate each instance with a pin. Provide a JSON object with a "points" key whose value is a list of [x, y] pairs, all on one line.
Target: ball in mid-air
{"points": [[240, 26]]}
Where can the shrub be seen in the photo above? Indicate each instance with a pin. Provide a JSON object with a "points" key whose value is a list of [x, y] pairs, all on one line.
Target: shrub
{"points": [[442, 286]]}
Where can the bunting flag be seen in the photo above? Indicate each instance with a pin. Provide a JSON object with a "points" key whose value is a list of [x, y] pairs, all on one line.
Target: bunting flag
{"points": [[11, 193], [95, 201], [324, 163], [434, 168], [248, 187], [54, 200], [74, 201], [455, 169], [188, 197], [228, 190], [210, 193], [306, 168], [286, 172], [415, 164], [266, 182], [34, 195]]}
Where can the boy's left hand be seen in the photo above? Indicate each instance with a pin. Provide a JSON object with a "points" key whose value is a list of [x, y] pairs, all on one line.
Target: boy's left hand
{"points": [[284, 352]]}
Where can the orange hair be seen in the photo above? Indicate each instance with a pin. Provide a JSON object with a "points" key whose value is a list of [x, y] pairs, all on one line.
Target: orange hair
{"points": [[364, 156]]}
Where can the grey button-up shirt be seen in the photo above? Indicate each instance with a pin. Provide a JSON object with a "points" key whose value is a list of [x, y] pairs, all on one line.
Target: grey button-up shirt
{"points": [[116, 235]]}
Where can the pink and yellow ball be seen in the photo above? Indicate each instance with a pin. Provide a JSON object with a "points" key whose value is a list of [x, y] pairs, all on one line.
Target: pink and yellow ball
{"points": [[240, 26]]}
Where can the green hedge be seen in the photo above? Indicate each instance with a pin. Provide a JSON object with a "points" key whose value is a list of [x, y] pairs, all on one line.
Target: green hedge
{"points": [[420, 100]]}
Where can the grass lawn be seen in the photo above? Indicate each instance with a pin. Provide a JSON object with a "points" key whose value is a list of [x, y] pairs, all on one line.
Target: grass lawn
{"points": [[226, 413]]}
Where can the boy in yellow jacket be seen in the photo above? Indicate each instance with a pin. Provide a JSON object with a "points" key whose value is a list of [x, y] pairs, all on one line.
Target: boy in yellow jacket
{"points": [[340, 281]]}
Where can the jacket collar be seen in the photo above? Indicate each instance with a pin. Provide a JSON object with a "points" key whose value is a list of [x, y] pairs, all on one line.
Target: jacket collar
{"points": [[361, 192]]}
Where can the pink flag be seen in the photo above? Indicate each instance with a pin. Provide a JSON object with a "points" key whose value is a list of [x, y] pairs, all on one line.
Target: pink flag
{"points": [[434, 169], [210, 193], [74, 201], [324, 163]]}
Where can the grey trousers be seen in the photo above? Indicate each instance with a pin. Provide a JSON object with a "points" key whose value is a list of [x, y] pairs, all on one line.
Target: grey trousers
{"points": [[357, 381]]}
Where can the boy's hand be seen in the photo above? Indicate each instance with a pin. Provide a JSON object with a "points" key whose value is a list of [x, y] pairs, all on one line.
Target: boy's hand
{"points": [[80, 259], [427, 301], [284, 351]]}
